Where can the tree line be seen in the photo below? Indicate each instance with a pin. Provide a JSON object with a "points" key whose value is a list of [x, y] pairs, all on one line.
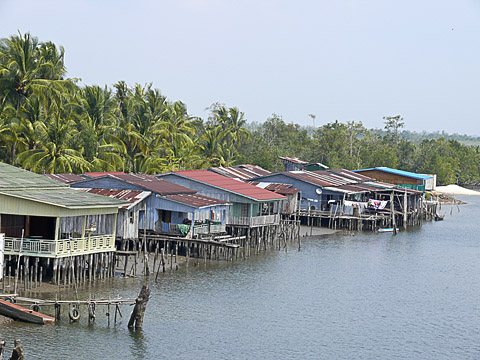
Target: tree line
{"points": [[350, 145], [51, 124]]}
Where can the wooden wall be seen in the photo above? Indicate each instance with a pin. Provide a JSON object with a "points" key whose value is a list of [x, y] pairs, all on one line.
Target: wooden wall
{"points": [[390, 178]]}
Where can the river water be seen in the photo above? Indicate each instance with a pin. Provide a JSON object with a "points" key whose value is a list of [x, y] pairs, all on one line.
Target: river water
{"points": [[343, 296]]}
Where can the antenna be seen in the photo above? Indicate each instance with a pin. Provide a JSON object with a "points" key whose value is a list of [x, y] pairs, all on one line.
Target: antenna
{"points": [[313, 116]]}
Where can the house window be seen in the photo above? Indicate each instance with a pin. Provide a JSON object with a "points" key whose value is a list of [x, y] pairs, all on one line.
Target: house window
{"points": [[244, 210], [131, 216]]}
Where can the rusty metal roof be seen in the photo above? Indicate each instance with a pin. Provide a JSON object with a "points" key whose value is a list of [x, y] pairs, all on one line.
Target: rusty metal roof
{"points": [[321, 178], [229, 184], [133, 196], [294, 160], [284, 189], [103, 173], [242, 172], [65, 178], [350, 175], [196, 200], [147, 182], [150, 182], [353, 188]]}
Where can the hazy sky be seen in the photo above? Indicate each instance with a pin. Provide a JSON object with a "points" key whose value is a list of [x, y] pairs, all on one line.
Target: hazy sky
{"points": [[339, 59]]}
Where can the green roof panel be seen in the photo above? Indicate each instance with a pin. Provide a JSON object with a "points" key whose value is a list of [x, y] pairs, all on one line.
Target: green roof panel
{"points": [[65, 197], [12, 178]]}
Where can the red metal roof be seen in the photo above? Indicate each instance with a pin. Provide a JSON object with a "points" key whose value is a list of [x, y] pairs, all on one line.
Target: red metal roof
{"points": [[103, 173], [196, 200], [134, 196], [65, 178], [229, 184]]}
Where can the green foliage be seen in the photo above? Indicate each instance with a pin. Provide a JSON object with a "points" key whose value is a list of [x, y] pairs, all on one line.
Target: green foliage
{"points": [[50, 124]]}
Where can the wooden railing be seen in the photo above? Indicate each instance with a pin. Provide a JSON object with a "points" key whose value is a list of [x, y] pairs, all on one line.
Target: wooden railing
{"points": [[60, 248], [208, 229], [254, 221]]}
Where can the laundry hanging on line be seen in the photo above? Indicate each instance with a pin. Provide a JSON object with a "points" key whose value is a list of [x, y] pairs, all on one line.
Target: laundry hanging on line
{"points": [[376, 204]]}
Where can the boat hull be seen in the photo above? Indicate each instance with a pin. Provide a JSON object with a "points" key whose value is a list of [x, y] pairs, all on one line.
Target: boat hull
{"points": [[20, 313], [386, 230]]}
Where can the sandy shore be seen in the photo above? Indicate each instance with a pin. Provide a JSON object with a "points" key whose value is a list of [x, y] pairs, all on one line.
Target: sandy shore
{"points": [[455, 190]]}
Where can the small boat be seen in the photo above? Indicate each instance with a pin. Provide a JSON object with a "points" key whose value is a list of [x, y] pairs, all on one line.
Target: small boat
{"points": [[386, 229], [438, 217], [17, 312]]}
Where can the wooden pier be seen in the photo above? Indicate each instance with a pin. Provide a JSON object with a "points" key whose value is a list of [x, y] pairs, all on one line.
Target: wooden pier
{"points": [[74, 306], [397, 214]]}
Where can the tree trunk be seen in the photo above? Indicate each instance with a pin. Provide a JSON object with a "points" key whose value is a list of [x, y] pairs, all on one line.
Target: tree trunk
{"points": [[136, 319]]}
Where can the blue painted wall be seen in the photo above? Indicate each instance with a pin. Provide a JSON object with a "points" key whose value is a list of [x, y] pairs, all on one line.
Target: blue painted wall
{"points": [[154, 203], [309, 194], [208, 190]]}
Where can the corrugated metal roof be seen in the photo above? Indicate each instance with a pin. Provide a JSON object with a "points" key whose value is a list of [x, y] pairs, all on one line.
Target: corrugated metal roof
{"points": [[242, 172], [355, 188], [147, 182], [65, 178], [284, 189], [322, 178], [294, 160], [133, 196], [196, 200], [398, 172], [229, 184], [64, 197], [150, 182], [12, 177], [103, 173], [350, 175]]}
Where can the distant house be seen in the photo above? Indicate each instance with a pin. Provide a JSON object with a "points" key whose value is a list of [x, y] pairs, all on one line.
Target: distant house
{"points": [[251, 206], [401, 178], [170, 208], [316, 166], [293, 163], [317, 190]]}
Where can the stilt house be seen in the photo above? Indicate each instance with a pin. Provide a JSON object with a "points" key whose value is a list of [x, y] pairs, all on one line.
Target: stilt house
{"points": [[251, 206], [404, 179], [36, 217], [170, 208]]}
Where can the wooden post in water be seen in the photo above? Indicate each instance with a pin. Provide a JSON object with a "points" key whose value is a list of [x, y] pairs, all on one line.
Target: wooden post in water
{"points": [[136, 319], [392, 209]]}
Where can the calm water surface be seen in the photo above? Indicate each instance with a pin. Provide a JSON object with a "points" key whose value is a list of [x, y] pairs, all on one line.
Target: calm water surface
{"points": [[364, 296]]}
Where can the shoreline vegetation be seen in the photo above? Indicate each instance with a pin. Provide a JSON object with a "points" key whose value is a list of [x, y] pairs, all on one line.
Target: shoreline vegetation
{"points": [[51, 124]]}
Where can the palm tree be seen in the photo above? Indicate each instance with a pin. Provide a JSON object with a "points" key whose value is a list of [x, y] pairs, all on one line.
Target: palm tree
{"points": [[236, 125], [54, 153], [28, 67], [212, 142]]}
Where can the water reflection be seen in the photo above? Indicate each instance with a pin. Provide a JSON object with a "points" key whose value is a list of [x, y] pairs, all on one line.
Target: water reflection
{"points": [[138, 346], [346, 295]]}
